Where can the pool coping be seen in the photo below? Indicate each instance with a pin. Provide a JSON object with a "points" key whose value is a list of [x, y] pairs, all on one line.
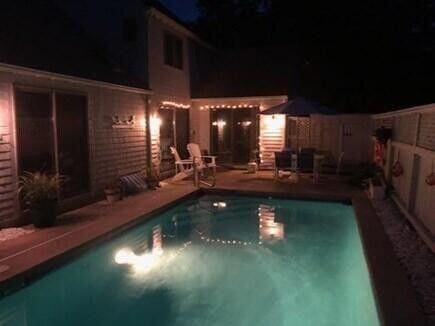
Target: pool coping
{"points": [[394, 297]]}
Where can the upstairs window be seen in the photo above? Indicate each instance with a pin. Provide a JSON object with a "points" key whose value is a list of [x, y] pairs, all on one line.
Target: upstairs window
{"points": [[129, 30], [173, 51]]}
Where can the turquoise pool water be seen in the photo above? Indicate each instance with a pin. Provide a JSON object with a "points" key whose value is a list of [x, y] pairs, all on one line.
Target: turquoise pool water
{"points": [[213, 261]]}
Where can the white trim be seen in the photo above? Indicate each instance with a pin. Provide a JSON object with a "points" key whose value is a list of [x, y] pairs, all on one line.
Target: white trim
{"points": [[246, 98], [416, 109], [66, 78]]}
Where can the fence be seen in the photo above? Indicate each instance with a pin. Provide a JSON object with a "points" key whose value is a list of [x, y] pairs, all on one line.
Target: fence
{"points": [[413, 146]]}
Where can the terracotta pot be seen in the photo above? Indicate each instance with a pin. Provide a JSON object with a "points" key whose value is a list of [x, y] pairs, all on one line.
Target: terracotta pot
{"points": [[112, 195]]}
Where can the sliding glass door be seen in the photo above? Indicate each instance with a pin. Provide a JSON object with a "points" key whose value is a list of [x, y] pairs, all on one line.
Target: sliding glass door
{"points": [[72, 142], [174, 131], [52, 137], [234, 134]]}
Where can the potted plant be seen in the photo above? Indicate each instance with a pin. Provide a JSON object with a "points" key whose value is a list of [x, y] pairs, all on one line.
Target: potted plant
{"points": [[152, 178], [112, 192], [377, 188], [39, 192], [383, 134]]}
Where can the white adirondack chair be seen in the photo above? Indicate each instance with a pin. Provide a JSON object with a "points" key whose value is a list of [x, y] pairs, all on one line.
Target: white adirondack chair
{"points": [[183, 168], [203, 162]]}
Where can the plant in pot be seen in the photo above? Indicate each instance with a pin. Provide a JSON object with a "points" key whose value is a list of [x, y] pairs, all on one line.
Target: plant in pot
{"points": [[39, 192], [152, 177], [112, 192], [383, 134]]}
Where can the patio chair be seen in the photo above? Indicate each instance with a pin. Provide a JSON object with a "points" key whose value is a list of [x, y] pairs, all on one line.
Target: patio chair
{"points": [[334, 167], [283, 162], [306, 159], [183, 168], [203, 161]]}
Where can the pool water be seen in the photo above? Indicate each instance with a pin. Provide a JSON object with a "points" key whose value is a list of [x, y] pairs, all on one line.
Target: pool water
{"points": [[213, 261]]}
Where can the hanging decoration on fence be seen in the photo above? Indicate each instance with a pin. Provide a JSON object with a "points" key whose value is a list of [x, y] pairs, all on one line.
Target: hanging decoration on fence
{"points": [[397, 169], [430, 179]]}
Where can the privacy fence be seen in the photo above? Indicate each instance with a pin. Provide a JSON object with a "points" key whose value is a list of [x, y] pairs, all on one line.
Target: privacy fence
{"points": [[413, 147]]}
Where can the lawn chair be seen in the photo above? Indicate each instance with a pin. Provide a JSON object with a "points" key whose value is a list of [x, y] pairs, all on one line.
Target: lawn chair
{"points": [[183, 168], [306, 159], [203, 162], [283, 162]]}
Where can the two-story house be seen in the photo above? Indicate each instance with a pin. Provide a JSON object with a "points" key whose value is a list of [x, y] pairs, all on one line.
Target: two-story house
{"points": [[176, 64]]}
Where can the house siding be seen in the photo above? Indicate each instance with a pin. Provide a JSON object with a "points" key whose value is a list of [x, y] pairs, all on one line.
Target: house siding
{"points": [[168, 83], [272, 136], [112, 152]]}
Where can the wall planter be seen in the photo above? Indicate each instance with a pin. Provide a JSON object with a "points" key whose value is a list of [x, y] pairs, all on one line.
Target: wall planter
{"points": [[377, 189]]}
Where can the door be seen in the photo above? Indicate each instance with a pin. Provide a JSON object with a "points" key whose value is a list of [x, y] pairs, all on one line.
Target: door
{"points": [[221, 134], [244, 127], [35, 132], [52, 137], [167, 165], [182, 132], [72, 143], [234, 134]]}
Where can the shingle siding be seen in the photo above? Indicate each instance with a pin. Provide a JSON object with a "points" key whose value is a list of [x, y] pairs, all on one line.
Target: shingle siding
{"points": [[112, 152]]}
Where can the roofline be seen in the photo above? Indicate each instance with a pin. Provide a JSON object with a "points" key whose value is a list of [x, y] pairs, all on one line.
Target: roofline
{"points": [[419, 109], [4, 67], [241, 98], [155, 12]]}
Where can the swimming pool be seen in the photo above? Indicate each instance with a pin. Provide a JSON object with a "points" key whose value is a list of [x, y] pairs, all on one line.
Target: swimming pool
{"points": [[215, 260]]}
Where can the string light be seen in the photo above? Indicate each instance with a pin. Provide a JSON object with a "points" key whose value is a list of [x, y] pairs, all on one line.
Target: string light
{"points": [[169, 104], [227, 106]]}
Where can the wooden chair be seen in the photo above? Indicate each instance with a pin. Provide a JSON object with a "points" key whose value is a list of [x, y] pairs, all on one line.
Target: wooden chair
{"points": [[203, 161], [183, 168]]}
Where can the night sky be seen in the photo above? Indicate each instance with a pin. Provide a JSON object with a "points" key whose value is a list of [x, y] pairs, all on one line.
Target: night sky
{"points": [[184, 9]]}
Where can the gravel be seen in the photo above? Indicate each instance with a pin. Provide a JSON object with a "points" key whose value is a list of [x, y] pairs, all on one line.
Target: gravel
{"points": [[12, 233], [414, 255]]}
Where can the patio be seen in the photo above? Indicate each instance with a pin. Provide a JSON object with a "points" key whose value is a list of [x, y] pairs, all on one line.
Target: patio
{"points": [[28, 256]]}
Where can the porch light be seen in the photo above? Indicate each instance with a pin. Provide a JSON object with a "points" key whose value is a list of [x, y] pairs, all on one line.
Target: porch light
{"points": [[220, 123]]}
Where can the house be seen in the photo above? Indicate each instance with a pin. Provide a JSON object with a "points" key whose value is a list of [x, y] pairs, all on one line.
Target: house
{"points": [[63, 107], [97, 90]]}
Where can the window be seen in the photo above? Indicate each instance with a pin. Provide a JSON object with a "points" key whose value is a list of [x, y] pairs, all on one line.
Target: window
{"points": [[129, 30], [52, 136], [173, 51]]}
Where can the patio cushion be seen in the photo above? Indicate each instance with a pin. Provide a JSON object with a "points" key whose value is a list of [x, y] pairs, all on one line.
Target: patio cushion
{"points": [[133, 183]]}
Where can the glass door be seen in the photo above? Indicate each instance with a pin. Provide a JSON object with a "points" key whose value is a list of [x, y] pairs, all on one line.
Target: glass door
{"points": [[52, 137], [72, 143], [167, 133], [234, 134]]}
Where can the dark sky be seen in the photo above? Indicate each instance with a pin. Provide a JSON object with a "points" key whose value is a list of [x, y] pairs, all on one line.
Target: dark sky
{"points": [[184, 9]]}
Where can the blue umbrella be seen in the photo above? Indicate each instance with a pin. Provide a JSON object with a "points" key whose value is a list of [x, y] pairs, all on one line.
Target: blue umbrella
{"points": [[299, 107]]}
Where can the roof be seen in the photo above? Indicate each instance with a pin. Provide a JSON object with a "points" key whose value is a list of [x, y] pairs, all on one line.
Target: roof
{"points": [[299, 107], [37, 35]]}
